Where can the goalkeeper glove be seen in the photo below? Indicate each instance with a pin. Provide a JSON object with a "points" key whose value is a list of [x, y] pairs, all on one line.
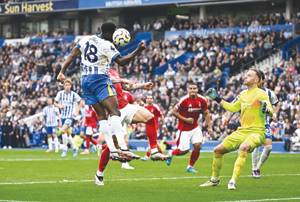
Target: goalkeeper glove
{"points": [[213, 94]]}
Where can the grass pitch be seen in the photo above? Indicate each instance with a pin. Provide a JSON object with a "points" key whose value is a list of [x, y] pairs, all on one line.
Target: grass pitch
{"points": [[33, 175]]}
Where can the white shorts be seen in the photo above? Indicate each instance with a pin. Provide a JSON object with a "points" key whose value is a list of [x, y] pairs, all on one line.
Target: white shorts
{"points": [[128, 112], [90, 131], [185, 138]]}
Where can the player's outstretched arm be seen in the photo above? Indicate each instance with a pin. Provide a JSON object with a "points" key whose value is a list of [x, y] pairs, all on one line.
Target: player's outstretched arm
{"points": [[75, 52], [234, 106], [123, 60], [135, 86]]}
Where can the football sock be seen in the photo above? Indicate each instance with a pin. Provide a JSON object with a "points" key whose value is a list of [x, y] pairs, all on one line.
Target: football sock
{"points": [[152, 137], [88, 140], [264, 155], [50, 143], [255, 158], [65, 141], [194, 157], [56, 143], [238, 165], [105, 130], [117, 130], [104, 158], [216, 166]]}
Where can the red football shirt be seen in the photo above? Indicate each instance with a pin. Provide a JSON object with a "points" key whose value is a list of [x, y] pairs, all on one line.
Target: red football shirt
{"points": [[128, 96], [190, 108], [90, 119], [119, 90], [154, 109]]}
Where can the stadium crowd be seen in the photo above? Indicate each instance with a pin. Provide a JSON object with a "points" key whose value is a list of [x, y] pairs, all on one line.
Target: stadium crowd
{"points": [[174, 24], [28, 74]]}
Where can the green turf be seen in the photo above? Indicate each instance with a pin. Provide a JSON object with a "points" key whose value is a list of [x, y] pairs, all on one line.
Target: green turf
{"points": [[72, 179]]}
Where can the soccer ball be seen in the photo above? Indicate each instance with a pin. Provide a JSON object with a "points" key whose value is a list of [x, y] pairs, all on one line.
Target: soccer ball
{"points": [[121, 37]]}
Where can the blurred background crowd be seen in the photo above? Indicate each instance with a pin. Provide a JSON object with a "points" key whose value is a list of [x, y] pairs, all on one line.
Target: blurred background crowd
{"points": [[28, 76]]}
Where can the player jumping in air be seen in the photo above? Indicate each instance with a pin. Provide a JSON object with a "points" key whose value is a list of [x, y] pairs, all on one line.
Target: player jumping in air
{"points": [[133, 113], [188, 111], [97, 52], [254, 106], [130, 113]]}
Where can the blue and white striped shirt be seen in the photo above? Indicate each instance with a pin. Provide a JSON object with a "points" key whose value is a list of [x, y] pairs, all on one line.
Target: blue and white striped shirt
{"points": [[51, 113], [69, 101], [96, 55], [273, 100]]}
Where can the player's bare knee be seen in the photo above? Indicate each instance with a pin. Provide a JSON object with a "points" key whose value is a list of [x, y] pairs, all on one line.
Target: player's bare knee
{"points": [[245, 148], [218, 151], [197, 146]]}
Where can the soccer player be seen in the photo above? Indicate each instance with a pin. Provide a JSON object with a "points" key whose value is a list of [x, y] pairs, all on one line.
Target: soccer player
{"points": [[90, 121], [254, 105], [51, 117], [188, 111], [152, 125], [132, 113], [97, 53], [69, 104], [259, 160]]}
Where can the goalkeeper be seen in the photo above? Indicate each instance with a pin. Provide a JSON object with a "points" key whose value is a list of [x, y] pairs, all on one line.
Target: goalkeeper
{"points": [[254, 106]]}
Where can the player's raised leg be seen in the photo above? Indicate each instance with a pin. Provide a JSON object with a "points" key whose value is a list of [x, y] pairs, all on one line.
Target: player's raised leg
{"points": [[111, 104]]}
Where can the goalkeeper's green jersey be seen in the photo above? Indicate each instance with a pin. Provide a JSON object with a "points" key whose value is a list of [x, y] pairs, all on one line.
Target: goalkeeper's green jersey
{"points": [[248, 103]]}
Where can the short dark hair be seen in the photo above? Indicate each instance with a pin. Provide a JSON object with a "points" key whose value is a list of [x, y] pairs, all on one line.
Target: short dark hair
{"points": [[262, 75], [192, 83], [108, 27]]}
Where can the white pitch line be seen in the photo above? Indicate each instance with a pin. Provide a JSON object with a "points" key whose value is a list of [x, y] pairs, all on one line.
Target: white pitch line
{"points": [[96, 158], [266, 199], [15, 201], [46, 159], [135, 179]]}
